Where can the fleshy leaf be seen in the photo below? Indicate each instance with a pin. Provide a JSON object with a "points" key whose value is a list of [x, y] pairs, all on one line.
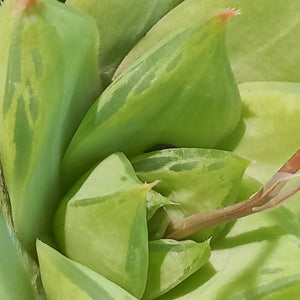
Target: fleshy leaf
{"points": [[121, 24], [171, 262], [168, 97], [268, 134], [114, 174], [48, 80], [114, 228], [264, 39], [106, 210], [198, 180], [66, 279]]}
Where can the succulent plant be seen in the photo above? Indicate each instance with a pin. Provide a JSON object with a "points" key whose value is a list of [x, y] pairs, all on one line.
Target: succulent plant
{"points": [[146, 148]]}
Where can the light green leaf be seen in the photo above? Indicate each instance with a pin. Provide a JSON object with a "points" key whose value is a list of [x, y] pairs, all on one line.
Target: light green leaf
{"points": [[121, 24], [167, 97], [102, 224], [49, 79], [109, 235], [65, 279], [114, 174], [198, 180], [171, 262], [262, 42]]}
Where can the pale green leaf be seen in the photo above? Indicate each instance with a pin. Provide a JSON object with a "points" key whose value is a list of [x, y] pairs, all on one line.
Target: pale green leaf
{"points": [[65, 279], [262, 42], [121, 24]]}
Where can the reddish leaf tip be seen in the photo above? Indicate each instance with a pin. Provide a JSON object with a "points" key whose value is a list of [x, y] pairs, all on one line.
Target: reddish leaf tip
{"points": [[23, 4], [228, 13], [28, 2]]}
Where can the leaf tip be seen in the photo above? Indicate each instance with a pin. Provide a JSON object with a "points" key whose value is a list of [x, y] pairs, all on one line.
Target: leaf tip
{"points": [[23, 4], [228, 13], [153, 184]]}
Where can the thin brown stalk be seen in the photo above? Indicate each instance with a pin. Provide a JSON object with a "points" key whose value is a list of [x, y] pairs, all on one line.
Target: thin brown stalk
{"points": [[268, 197]]}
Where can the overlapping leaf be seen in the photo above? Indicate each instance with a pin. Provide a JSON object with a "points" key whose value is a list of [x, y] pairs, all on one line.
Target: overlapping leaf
{"points": [[48, 80], [198, 180], [168, 97], [107, 211], [66, 279], [121, 24], [263, 41]]}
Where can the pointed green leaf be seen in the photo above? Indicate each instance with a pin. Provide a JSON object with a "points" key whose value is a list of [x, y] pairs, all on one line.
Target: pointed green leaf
{"points": [[106, 210], [198, 180], [109, 235], [114, 174], [49, 79], [167, 97], [121, 24], [171, 262], [65, 279], [264, 33]]}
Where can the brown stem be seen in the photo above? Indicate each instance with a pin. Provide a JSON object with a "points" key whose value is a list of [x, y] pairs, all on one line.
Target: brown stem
{"points": [[293, 164], [183, 228], [5, 204]]}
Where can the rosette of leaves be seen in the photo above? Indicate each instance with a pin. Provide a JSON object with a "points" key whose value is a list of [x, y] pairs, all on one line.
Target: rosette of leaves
{"points": [[77, 220]]}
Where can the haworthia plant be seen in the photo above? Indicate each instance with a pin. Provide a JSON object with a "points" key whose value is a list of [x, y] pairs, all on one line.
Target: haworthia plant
{"points": [[48, 80], [268, 132], [197, 179], [144, 107], [65, 279], [121, 24], [171, 262], [107, 211], [258, 37]]}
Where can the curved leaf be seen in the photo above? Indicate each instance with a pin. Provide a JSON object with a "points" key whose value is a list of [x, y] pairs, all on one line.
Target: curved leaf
{"points": [[66, 279], [171, 262], [163, 99], [49, 81], [121, 24], [198, 180], [262, 42]]}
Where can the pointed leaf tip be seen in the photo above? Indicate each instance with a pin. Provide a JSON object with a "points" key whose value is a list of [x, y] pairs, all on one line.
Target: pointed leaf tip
{"points": [[23, 4], [228, 13]]}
